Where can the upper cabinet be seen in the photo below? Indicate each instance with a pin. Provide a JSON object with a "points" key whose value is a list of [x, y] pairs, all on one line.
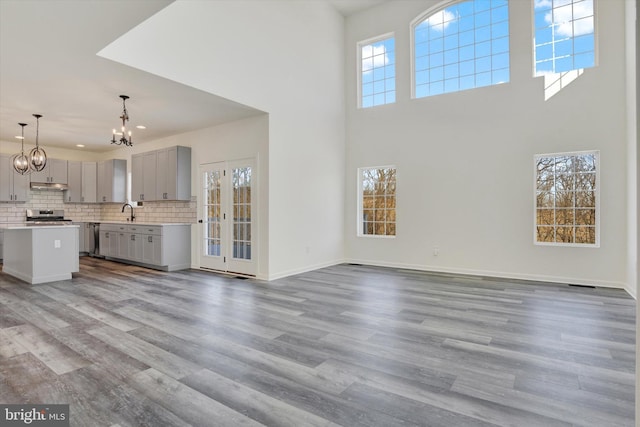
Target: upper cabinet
{"points": [[163, 174], [83, 186], [55, 172], [112, 181], [13, 186]]}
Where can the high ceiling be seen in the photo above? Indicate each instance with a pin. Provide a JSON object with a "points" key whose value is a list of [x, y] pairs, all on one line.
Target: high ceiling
{"points": [[49, 66]]}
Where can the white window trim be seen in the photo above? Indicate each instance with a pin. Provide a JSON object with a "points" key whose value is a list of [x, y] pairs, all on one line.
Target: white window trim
{"points": [[359, 65], [359, 206], [597, 224]]}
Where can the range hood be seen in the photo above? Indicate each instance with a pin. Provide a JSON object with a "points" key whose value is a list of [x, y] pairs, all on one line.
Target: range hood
{"points": [[48, 186]]}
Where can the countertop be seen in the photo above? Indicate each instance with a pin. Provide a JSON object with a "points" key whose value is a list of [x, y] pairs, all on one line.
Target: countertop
{"points": [[140, 223], [37, 227]]}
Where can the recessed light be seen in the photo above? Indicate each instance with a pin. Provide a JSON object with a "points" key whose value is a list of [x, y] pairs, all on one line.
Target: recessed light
{"points": [[141, 127], [80, 145]]}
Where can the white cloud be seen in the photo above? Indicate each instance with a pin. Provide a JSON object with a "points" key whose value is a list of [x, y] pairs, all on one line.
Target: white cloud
{"points": [[539, 4], [564, 18], [374, 57], [441, 20]]}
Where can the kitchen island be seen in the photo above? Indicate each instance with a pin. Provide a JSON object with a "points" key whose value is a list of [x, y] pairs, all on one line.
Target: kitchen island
{"points": [[41, 254]]}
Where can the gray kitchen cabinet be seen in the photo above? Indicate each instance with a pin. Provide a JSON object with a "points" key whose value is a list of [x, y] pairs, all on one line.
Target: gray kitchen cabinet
{"points": [[143, 176], [55, 172], [13, 186], [163, 174], [137, 177], [73, 194], [90, 182], [136, 242], [82, 177], [174, 174], [105, 243], [161, 246], [112, 181]]}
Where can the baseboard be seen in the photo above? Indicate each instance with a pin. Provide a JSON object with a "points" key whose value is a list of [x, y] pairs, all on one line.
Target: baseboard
{"points": [[498, 274], [305, 269]]}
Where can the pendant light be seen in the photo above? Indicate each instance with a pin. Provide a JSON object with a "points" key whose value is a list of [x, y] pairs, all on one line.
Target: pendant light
{"points": [[37, 156], [20, 161], [123, 134]]}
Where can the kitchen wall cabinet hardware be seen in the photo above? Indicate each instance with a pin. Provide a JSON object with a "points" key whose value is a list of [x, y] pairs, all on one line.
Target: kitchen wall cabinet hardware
{"points": [[55, 172], [13, 186], [163, 174], [112, 181], [145, 244], [83, 184]]}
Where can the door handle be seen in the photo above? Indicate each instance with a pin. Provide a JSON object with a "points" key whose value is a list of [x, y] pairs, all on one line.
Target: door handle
{"points": [[200, 221]]}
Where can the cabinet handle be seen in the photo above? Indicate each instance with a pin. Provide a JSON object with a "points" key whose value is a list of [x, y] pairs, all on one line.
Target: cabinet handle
{"points": [[133, 237], [106, 234], [150, 239], [81, 198]]}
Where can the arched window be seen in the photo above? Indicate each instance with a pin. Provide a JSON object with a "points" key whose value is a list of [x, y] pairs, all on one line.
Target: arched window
{"points": [[461, 46]]}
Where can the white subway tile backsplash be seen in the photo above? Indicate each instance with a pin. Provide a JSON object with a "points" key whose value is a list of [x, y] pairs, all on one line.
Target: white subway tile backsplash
{"points": [[166, 212]]}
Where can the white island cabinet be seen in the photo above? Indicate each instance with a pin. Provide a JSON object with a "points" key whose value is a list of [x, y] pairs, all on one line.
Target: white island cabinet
{"points": [[41, 254]]}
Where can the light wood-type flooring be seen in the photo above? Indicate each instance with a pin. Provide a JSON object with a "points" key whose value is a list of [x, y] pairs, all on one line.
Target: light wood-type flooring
{"points": [[346, 345]]}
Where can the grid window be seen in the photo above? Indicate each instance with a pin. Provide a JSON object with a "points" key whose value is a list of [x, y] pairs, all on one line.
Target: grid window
{"points": [[377, 72], [377, 210], [461, 47], [566, 194], [564, 35]]}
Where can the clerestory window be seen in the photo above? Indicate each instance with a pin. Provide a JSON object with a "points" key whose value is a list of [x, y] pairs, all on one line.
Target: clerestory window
{"points": [[564, 38], [377, 71], [462, 46]]}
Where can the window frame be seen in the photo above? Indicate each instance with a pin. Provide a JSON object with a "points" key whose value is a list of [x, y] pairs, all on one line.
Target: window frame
{"points": [[533, 41], [596, 225], [412, 47], [359, 46], [360, 208]]}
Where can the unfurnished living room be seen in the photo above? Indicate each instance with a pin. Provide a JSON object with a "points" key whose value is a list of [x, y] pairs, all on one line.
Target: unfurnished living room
{"points": [[319, 213]]}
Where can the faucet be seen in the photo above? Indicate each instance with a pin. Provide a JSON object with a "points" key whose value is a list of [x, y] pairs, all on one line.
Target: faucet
{"points": [[132, 216]]}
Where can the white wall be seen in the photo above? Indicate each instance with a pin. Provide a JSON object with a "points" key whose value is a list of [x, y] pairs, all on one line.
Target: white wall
{"points": [[282, 57], [465, 160]]}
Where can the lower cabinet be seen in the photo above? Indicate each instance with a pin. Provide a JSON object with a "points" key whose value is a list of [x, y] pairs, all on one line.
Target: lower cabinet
{"points": [[165, 247]]}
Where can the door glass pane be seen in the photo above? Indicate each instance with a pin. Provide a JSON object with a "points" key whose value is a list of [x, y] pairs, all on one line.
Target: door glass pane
{"points": [[212, 191], [241, 212]]}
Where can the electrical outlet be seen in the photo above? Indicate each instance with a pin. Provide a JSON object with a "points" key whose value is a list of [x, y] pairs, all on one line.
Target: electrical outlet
{"points": [[56, 244], [436, 251]]}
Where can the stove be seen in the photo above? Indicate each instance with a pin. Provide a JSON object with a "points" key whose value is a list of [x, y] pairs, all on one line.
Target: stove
{"points": [[46, 217]]}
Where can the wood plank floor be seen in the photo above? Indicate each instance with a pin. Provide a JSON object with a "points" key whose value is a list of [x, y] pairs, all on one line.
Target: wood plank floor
{"points": [[346, 345]]}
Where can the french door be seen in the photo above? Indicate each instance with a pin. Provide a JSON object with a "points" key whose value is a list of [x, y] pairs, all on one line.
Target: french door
{"points": [[227, 211]]}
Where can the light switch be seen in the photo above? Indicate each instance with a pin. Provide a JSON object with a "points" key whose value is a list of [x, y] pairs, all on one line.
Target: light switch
{"points": [[56, 244]]}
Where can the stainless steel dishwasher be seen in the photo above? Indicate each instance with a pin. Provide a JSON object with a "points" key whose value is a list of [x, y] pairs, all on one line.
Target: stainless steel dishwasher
{"points": [[94, 240]]}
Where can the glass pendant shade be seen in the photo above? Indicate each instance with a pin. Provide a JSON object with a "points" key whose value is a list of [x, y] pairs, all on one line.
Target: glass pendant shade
{"points": [[37, 156], [20, 161]]}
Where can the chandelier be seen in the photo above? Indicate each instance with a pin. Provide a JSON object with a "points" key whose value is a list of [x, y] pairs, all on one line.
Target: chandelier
{"points": [[20, 161], [37, 156], [123, 134]]}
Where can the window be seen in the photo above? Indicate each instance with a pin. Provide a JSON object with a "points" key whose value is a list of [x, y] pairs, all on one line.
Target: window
{"points": [[564, 35], [377, 72], [377, 201], [461, 47], [567, 199]]}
